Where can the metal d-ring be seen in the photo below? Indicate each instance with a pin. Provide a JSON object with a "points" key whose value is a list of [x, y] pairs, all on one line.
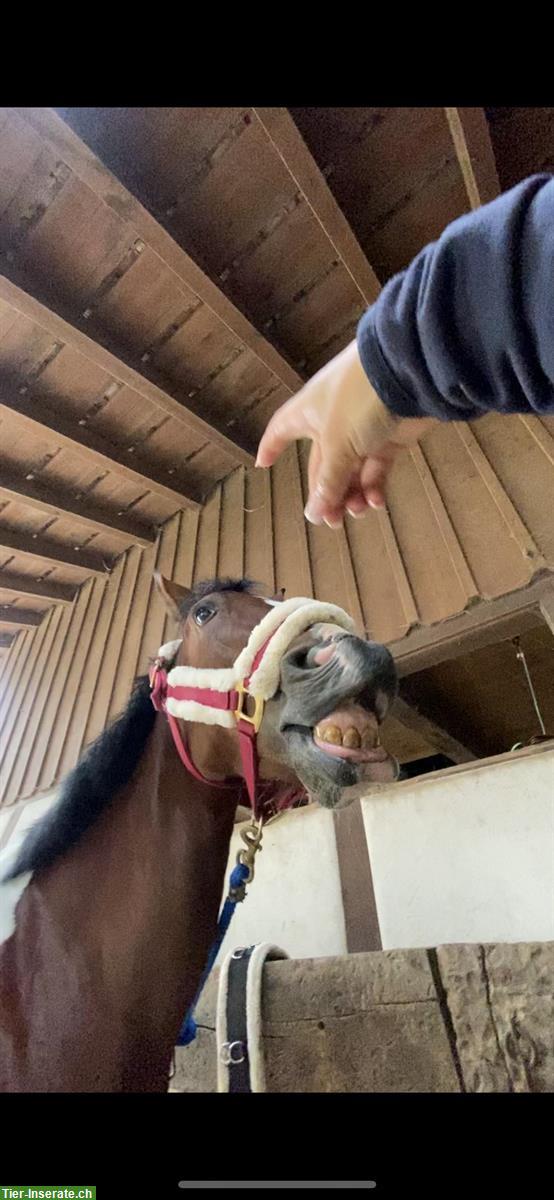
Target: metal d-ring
{"points": [[232, 1054]]}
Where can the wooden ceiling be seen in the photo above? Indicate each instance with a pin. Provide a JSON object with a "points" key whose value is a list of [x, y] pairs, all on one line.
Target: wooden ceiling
{"points": [[168, 277]]}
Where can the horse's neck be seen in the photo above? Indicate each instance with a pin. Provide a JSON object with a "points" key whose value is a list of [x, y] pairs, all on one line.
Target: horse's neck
{"points": [[111, 941]]}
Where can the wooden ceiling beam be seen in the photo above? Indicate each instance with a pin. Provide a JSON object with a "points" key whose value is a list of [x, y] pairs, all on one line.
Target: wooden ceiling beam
{"points": [[38, 589], [38, 494], [484, 624], [40, 546], [19, 616], [68, 146], [287, 141], [33, 302], [471, 138], [102, 454], [442, 741]]}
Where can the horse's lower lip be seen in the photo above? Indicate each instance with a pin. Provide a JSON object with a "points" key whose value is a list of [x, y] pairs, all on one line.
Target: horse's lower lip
{"points": [[379, 754]]}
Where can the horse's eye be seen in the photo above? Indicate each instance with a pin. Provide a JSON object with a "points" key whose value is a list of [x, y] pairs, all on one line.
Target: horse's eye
{"points": [[203, 613]]}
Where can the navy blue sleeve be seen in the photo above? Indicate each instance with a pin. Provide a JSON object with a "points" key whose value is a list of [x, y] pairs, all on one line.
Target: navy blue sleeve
{"points": [[468, 328]]}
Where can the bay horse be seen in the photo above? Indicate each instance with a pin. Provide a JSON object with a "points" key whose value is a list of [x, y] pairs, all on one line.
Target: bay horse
{"points": [[121, 880]]}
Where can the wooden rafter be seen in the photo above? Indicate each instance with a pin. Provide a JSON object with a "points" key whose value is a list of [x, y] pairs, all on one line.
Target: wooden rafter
{"points": [[19, 616], [439, 738], [287, 140], [102, 454], [38, 589], [68, 146], [487, 622], [22, 296], [40, 546], [472, 142], [92, 516]]}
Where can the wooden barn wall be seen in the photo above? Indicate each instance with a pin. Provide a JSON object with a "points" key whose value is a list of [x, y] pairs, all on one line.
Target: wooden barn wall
{"points": [[424, 559]]}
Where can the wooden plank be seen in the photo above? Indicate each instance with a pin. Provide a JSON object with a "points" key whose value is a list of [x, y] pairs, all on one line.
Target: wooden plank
{"points": [[40, 546], [442, 741], [259, 555], [361, 918], [107, 653], [91, 648], [15, 291], [154, 625], [10, 696], [8, 743], [38, 420], [5, 642], [331, 567], [15, 643], [67, 145], [459, 564], [19, 616], [43, 589], [39, 494], [205, 563], [230, 555], [65, 682], [472, 142], [21, 737], [510, 516], [292, 555], [46, 707], [286, 139], [487, 622], [130, 619], [186, 548]]}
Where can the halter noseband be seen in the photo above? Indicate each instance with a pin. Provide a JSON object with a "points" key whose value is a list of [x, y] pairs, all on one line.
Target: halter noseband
{"points": [[219, 697]]}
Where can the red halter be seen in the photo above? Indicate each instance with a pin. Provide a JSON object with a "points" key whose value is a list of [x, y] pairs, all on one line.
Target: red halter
{"points": [[278, 796]]}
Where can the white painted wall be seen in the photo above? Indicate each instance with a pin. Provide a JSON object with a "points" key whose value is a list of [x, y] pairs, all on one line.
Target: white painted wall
{"points": [[466, 855], [295, 899]]}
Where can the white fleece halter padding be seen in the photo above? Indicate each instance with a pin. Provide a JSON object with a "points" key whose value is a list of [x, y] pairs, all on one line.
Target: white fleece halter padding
{"points": [[284, 621]]}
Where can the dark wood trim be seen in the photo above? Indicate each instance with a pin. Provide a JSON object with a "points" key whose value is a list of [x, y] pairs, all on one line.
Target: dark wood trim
{"points": [[470, 135], [67, 145], [19, 616], [39, 546], [358, 897], [286, 139], [44, 589], [40, 419], [439, 738], [27, 298], [38, 494]]}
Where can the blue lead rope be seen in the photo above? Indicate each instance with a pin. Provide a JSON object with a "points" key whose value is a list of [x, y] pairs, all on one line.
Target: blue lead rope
{"points": [[239, 877]]}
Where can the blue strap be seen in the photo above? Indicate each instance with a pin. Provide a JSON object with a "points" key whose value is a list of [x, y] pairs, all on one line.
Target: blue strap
{"points": [[239, 877]]}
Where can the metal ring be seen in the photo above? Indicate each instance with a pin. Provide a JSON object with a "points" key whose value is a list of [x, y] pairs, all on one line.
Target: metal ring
{"points": [[230, 1052], [239, 952]]}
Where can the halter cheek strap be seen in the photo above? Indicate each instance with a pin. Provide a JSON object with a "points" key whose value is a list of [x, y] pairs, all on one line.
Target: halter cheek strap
{"points": [[220, 697]]}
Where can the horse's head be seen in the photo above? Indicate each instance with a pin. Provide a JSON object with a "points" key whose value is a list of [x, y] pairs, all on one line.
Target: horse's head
{"points": [[333, 689]]}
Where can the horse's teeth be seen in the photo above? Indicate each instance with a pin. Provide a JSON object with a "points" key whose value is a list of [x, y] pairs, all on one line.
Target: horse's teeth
{"points": [[351, 738], [331, 734], [370, 739]]}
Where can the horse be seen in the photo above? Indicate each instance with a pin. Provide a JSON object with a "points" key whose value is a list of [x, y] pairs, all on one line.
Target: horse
{"points": [[120, 882]]}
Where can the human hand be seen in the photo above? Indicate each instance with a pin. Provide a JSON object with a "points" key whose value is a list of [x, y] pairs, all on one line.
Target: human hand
{"points": [[354, 438]]}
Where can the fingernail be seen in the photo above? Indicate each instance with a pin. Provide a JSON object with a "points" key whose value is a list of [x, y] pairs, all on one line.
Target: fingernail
{"points": [[333, 524], [355, 515], [312, 516], [372, 504]]}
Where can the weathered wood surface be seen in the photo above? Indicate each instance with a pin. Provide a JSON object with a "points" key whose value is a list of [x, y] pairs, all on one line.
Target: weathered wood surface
{"points": [[462, 1018]]}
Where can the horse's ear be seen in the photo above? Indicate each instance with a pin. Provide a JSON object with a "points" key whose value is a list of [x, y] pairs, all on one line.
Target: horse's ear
{"points": [[172, 594], [279, 594]]}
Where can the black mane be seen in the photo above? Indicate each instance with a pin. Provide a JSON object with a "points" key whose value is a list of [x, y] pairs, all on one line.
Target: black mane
{"points": [[106, 766]]}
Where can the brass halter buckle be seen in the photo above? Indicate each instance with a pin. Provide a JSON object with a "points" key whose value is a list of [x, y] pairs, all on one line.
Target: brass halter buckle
{"points": [[240, 713]]}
